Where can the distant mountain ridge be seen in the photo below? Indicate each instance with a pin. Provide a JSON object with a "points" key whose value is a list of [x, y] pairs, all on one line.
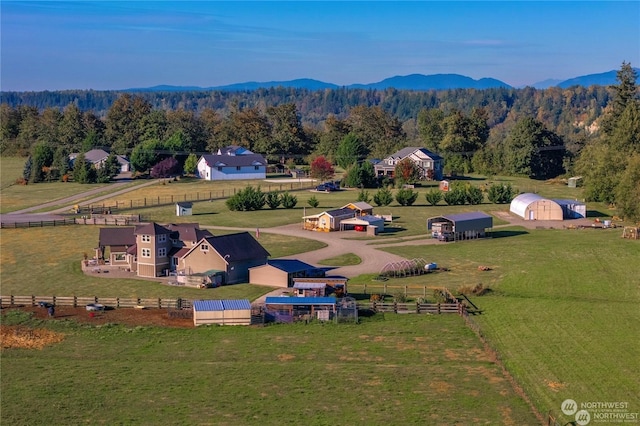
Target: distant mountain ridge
{"points": [[407, 82]]}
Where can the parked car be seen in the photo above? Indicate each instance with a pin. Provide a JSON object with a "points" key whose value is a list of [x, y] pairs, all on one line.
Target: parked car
{"points": [[446, 236], [327, 187]]}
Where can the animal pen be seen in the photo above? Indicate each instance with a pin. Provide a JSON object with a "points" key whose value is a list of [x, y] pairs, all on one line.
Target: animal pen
{"points": [[293, 309]]}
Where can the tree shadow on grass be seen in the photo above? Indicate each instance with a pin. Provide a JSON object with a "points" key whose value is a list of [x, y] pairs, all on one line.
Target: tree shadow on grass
{"points": [[507, 233], [596, 213]]}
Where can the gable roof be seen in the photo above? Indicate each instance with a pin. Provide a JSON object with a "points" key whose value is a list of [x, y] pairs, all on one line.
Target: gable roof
{"points": [[120, 236], [235, 247], [290, 265], [405, 152], [95, 155], [188, 231], [151, 229], [234, 160], [360, 205], [234, 150], [340, 212], [221, 305]]}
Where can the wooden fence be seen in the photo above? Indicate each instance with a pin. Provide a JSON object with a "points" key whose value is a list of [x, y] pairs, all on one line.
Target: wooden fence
{"points": [[417, 308], [407, 290], [118, 205], [38, 224], [112, 302]]}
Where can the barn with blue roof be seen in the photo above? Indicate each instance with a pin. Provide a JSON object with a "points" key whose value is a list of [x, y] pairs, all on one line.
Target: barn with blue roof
{"points": [[289, 309], [281, 272], [221, 312], [460, 226]]}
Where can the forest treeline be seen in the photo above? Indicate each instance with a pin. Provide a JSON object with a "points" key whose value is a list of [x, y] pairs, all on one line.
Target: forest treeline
{"points": [[531, 132]]}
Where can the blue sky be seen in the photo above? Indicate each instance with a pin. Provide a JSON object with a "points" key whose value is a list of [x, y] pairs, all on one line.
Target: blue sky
{"points": [[57, 45]]}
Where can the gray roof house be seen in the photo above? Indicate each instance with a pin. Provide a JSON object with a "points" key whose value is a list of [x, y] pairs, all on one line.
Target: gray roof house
{"points": [[430, 164], [229, 167], [97, 157]]}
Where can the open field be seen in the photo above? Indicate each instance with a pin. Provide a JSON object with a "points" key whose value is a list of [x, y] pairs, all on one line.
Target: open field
{"points": [[46, 261], [563, 313], [387, 370]]}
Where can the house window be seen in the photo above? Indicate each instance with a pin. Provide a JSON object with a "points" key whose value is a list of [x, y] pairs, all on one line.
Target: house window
{"points": [[119, 256], [174, 241], [146, 238], [204, 247], [256, 167], [162, 252], [219, 168], [162, 238], [238, 168], [146, 252], [174, 261]]}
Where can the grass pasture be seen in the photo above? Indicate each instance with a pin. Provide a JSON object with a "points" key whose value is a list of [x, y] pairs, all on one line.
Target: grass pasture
{"points": [[563, 313], [387, 370], [46, 261]]}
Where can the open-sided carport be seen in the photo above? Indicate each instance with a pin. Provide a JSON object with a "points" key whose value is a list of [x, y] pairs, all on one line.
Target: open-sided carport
{"points": [[461, 226], [371, 224]]}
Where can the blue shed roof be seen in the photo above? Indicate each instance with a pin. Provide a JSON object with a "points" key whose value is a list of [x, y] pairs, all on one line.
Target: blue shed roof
{"points": [[277, 300], [290, 265], [221, 305], [208, 305]]}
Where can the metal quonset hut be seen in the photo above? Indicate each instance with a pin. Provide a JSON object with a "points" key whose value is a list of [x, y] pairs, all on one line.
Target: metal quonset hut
{"points": [[531, 206], [221, 312], [461, 226]]}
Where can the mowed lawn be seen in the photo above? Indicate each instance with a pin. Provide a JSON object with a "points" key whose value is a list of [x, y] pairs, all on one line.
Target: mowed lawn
{"points": [[388, 370], [563, 313], [46, 261]]}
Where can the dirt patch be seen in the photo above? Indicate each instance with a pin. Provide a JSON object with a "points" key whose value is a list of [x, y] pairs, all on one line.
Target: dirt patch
{"points": [[286, 357], [27, 338], [125, 316], [441, 387], [556, 386]]}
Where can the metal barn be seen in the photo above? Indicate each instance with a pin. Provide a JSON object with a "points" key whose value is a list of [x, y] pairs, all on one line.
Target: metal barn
{"points": [[461, 226], [221, 312]]}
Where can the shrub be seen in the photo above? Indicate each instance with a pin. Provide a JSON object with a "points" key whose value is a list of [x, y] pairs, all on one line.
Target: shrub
{"points": [[406, 197], [364, 196], [434, 196], [456, 196], [400, 297], [273, 199], [313, 202], [383, 197], [289, 201], [166, 168], [246, 200], [474, 195], [499, 193]]}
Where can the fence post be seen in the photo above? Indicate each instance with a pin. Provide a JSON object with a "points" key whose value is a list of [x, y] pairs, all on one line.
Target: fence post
{"points": [[384, 286], [438, 308], [424, 292], [365, 288], [159, 303], [75, 301], [13, 302], [417, 307], [33, 300], [395, 307]]}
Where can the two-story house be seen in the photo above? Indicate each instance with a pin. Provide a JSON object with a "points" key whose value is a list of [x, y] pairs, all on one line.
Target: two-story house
{"points": [[430, 164]]}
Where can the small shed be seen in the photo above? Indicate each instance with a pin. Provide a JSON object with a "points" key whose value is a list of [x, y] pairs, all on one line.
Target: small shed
{"points": [[530, 206], [461, 226], [369, 224], [574, 182], [221, 312], [307, 289], [361, 208], [572, 209], [335, 284], [184, 209]]}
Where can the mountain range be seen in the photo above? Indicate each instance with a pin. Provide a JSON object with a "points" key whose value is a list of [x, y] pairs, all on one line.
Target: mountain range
{"points": [[407, 82]]}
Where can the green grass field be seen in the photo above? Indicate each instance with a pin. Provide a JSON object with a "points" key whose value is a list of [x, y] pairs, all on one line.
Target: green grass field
{"points": [[46, 261], [563, 313], [394, 370]]}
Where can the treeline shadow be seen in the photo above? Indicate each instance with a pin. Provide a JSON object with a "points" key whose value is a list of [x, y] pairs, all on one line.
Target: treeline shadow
{"points": [[507, 233]]}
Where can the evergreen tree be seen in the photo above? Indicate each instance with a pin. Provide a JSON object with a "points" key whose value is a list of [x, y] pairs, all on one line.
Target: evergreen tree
{"points": [[191, 164], [349, 151], [383, 197]]}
